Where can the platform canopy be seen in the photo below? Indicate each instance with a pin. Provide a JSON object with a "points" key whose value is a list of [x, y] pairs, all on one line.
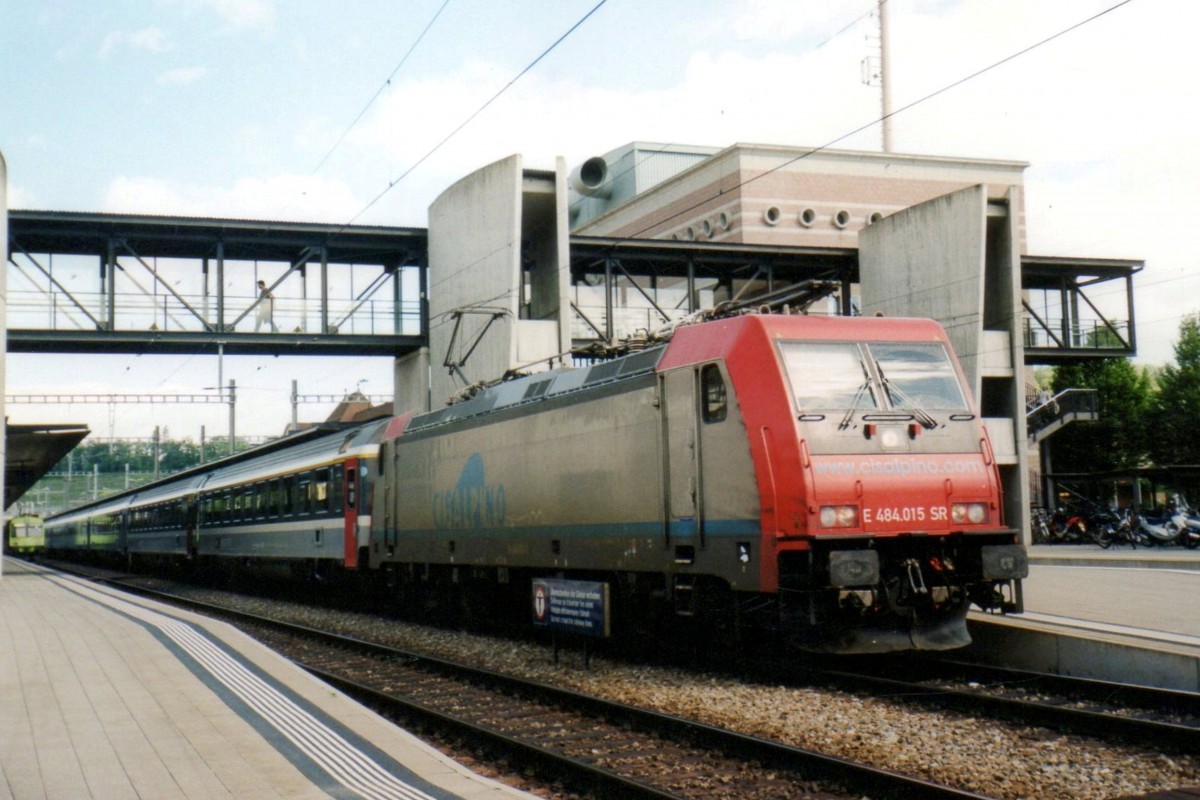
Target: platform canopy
{"points": [[31, 450]]}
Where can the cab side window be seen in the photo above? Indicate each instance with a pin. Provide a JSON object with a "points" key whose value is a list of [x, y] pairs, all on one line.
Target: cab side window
{"points": [[713, 394]]}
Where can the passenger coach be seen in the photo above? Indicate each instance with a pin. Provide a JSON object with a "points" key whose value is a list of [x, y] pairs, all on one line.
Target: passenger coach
{"points": [[302, 501]]}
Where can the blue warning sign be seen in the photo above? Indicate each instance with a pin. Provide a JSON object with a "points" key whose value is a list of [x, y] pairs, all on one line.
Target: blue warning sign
{"points": [[571, 606]]}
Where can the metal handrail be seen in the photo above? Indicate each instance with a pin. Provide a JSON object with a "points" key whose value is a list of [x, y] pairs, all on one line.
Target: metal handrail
{"points": [[1068, 402]]}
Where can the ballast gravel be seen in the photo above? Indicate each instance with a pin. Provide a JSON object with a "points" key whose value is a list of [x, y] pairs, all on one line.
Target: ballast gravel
{"points": [[990, 757]]}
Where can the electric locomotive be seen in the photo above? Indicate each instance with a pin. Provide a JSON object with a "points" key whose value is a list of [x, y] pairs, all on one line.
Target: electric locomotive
{"points": [[24, 533], [824, 477]]}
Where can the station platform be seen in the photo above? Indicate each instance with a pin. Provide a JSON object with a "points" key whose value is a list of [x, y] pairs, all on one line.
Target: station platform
{"points": [[1130, 616], [104, 695]]}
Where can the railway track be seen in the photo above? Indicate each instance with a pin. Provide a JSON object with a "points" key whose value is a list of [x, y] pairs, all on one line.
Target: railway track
{"points": [[599, 747], [865, 706], [1160, 719]]}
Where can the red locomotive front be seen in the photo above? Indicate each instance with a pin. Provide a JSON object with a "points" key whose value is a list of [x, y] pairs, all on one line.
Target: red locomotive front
{"points": [[880, 497]]}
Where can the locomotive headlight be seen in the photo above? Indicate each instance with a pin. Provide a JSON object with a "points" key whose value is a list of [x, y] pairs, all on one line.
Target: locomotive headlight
{"points": [[839, 516], [891, 436], [974, 513]]}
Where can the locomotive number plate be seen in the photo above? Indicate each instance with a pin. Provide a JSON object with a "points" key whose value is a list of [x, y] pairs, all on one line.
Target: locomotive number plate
{"points": [[905, 514]]}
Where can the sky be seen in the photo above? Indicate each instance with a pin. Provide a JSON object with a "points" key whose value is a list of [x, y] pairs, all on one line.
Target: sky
{"points": [[366, 110]]}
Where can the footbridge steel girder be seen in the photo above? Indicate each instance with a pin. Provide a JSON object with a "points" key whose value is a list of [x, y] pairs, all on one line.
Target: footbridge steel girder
{"points": [[137, 284], [109, 283], [1078, 308]]}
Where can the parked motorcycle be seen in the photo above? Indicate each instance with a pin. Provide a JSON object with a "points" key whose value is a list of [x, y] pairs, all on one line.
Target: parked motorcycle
{"points": [[1186, 523], [1041, 526], [1152, 531], [1115, 527], [1068, 527]]}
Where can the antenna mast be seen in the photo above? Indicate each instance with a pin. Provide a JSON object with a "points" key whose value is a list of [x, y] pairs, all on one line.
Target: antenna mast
{"points": [[877, 71], [885, 76]]}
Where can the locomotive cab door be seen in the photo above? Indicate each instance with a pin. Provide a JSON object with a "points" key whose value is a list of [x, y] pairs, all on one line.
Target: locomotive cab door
{"points": [[697, 447], [681, 460]]}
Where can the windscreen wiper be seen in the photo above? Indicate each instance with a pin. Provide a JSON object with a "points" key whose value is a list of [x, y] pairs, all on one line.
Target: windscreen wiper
{"points": [[921, 415], [858, 395]]}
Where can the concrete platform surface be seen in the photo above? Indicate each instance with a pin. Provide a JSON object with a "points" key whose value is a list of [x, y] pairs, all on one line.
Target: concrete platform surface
{"points": [[1149, 598], [107, 696], [1126, 616]]}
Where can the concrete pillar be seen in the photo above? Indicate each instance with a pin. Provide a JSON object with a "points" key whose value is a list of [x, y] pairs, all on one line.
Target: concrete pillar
{"points": [[956, 259], [3, 335]]}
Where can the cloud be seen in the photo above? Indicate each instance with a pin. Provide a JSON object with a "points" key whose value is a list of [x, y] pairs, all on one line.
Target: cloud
{"points": [[775, 21], [18, 197], [243, 14], [150, 40], [182, 76], [299, 197], [722, 98]]}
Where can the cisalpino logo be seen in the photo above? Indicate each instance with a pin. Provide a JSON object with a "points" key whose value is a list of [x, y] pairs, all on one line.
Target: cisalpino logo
{"points": [[472, 503]]}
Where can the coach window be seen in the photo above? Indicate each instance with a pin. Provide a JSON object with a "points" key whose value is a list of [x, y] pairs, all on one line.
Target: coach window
{"points": [[321, 491], [336, 495], [289, 496], [304, 493], [712, 387]]}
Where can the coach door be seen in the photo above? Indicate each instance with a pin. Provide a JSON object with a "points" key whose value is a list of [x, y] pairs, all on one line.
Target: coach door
{"points": [[350, 513], [680, 460]]}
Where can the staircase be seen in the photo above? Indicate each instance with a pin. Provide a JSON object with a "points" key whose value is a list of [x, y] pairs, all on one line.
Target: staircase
{"points": [[1069, 405]]}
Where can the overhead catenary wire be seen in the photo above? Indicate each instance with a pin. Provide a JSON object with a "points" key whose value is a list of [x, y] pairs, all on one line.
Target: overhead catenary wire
{"points": [[840, 138], [879, 120], [392, 183], [664, 148], [383, 87]]}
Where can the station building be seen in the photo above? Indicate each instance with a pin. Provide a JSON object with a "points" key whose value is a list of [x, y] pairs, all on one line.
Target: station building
{"points": [[907, 235], [527, 268]]}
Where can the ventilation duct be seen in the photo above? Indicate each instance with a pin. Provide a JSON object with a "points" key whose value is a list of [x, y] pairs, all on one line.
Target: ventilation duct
{"points": [[591, 178]]}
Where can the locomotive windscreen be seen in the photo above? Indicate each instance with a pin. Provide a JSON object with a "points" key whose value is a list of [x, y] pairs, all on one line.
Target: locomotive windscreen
{"points": [[918, 375], [828, 375], [900, 376]]}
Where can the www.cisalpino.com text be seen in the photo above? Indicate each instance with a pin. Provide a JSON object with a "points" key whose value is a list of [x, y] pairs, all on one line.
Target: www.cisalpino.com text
{"points": [[895, 466]]}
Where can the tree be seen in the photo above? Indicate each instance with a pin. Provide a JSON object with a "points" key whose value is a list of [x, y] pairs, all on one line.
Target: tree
{"points": [[176, 455], [1117, 440], [1174, 439]]}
